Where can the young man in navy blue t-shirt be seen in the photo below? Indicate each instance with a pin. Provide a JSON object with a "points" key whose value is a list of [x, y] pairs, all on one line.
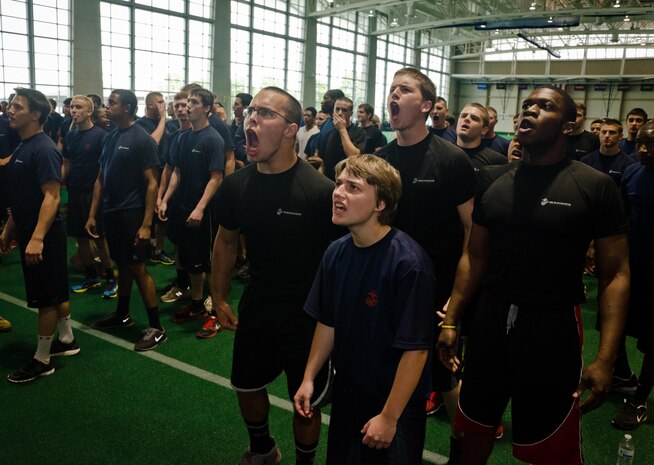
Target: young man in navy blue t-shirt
{"points": [[199, 165], [373, 298], [127, 188], [82, 149], [35, 181]]}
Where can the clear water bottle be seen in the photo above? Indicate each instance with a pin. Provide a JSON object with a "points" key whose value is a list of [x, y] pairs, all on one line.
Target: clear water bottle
{"points": [[626, 451]]}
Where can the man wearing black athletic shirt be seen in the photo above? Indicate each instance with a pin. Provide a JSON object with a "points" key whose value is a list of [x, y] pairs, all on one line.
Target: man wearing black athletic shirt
{"points": [[199, 164], [609, 159], [374, 137], [82, 149], [53, 123], [241, 102], [127, 188], [283, 208], [635, 120], [472, 125], [580, 141], [438, 186], [35, 180], [527, 334]]}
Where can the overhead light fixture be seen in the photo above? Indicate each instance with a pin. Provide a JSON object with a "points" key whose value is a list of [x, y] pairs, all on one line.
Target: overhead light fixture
{"points": [[497, 31], [560, 29], [533, 6], [626, 18], [483, 26], [371, 13], [394, 23], [550, 20], [616, 4]]}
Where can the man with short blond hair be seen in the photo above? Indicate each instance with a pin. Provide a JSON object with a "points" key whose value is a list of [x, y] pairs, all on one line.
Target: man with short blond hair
{"points": [[472, 126]]}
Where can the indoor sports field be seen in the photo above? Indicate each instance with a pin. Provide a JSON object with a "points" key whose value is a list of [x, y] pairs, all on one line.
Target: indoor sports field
{"points": [[111, 405]]}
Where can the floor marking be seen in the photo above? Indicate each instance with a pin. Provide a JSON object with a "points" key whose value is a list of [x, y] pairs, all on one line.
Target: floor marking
{"points": [[431, 457]]}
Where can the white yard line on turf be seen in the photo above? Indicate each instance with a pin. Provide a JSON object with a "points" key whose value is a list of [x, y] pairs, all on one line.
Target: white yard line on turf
{"points": [[429, 456]]}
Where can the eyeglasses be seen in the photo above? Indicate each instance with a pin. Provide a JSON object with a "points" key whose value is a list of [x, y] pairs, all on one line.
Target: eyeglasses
{"points": [[265, 113]]}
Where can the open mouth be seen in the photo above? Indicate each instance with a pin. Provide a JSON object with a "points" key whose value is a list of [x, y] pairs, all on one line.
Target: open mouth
{"points": [[339, 207], [394, 108], [526, 124], [465, 126], [251, 139]]}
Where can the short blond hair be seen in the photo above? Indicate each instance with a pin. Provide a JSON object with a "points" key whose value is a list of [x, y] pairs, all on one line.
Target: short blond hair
{"points": [[382, 176], [88, 103]]}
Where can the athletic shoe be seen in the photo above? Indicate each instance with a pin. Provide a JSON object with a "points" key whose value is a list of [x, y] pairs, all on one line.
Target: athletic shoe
{"points": [[434, 403], [630, 416], [175, 293], [208, 305], [499, 432], [243, 272], [31, 371], [5, 325], [188, 313], [161, 258], [110, 289], [113, 321], [210, 328], [625, 385], [153, 338], [271, 458], [61, 349], [88, 283]]}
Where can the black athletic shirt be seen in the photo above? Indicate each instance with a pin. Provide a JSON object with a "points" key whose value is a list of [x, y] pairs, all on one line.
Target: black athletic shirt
{"points": [[582, 144], [614, 165], [52, 125], [173, 146], [224, 131], [83, 149], [541, 220], [9, 138], [380, 302], [126, 154], [334, 151], [286, 219], [436, 178], [374, 139], [482, 156], [36, 161], [199, 154], [637, 188], [627, 146], [150, 125], [65, 127]]}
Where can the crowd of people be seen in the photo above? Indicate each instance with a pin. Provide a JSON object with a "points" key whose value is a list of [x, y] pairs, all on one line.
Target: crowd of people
{"points": [[364, 260]]}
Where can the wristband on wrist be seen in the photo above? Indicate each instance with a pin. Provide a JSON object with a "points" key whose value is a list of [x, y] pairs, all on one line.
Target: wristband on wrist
{"points": [[448, 327]]}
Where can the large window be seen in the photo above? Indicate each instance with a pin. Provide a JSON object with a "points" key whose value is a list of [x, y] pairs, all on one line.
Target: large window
{"points": [[342, 56], [156, 45], [36, 53], [435, 63], [267, 45]]}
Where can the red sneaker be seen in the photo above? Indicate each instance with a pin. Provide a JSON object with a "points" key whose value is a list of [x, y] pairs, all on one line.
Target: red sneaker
{"points": [[188, 313], [434, 403], [499, 432], [210, 328]]}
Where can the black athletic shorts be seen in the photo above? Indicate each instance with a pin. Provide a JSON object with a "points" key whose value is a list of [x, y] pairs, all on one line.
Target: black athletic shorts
{"points": [[121, 228], [640, 319], [175, 224], [272, 339], [79, 204], [46, 284], [351, 410], [533, 358], [195, 245]]}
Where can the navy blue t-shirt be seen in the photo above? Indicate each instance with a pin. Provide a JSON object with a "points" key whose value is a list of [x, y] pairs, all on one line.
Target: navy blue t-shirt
{"points": [[65, 127], [172, 125], [200, 153], [380, 302], [627, 146], [173, 146], [224, 131], [498, 144], [36, 161], [150, 125], [126, 154], [638, 188], [614, 165], [83, 149], [239, 145], [52, 125]]}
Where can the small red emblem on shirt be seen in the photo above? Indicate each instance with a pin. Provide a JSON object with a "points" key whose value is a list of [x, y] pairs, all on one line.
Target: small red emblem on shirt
{"points": [[87, 147], [372, 298]]}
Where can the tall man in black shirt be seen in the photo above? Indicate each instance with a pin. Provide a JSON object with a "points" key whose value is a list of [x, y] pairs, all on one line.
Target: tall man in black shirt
{"points": [[438, 186], [580, 141], [472, 125], [35, 181], [526, 343], [375, 139], [283, 207]]}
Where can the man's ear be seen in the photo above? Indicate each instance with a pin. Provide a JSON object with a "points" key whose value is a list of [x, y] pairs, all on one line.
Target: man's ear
{"points": [[381, 205], [291, 130], [568, 127]]}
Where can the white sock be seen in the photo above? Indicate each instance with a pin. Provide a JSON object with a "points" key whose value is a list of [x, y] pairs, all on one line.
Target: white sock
{"points": [[43, 349], [65, 330]]}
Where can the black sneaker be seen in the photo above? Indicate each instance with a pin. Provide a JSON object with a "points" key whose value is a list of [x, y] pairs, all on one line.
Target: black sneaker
{"points": [[31, 371], [630, 415], [153, 338], [113, 321], [60, 349], [162, 258], [625, 385]]}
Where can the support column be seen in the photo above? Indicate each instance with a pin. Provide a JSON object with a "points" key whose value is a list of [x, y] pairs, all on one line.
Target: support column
{"points": [[310, 44], [372, 62], [87, 48], [221, 80]]}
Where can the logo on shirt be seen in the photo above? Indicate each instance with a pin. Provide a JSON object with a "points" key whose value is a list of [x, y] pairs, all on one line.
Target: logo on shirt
{"points": [[615, 172], [120, 147], [372, 298], [547, 201], [87, 147], [196, 151], [416, 180], [283, 212]]}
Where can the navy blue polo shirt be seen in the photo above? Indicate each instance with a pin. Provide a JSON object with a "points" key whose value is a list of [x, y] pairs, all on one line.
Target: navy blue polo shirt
{"points": [[200, 153], [224, 131], [83, 149], [36, 161], [126, 154]]}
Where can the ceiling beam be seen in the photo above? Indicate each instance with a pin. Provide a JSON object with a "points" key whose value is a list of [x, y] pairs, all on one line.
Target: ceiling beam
{"points": [[354, 6]]}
